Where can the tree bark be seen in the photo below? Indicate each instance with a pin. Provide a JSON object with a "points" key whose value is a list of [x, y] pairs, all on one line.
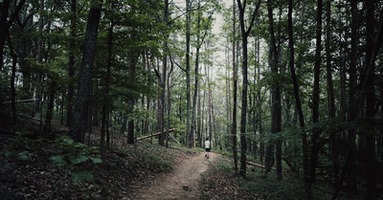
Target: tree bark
{"points": [[235, 85], [315, 95], [298, 103], [71, 62], [106, 100], [12, 83], [276, 110], [334, 144], [189, 135], [86, 72], [196, 75], [369, 151], [244, 36]]}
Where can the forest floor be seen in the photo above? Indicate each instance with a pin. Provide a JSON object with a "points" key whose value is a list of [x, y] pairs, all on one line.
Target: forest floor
{"points": [[182, 183], [43, 166]]}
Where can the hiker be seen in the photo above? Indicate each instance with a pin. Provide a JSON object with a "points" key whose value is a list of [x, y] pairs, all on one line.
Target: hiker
{"points": [[207, 147]]}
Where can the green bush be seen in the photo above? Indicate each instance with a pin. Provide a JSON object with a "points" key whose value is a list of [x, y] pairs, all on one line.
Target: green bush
{"points": [[72, 154]]}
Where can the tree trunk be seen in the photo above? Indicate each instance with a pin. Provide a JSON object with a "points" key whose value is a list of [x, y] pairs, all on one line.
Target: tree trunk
{"points": [[235, 80], [298, 103], [12, 83], [196, 76], [276, 110], [334, 144], [372, 47], [189, 135], [71, 62], [244, 36], [315, 96], [132, 100], [169, 103], [86, 72], [106, 99], [49, 115], [350, 165]]}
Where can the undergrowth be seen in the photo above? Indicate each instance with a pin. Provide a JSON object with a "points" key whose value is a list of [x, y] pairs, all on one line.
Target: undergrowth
{"points": [[220, 182], [42, 168]]}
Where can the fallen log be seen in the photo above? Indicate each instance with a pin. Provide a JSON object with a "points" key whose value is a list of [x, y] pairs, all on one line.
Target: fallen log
{"points": [[21, 101], [155, 134]]}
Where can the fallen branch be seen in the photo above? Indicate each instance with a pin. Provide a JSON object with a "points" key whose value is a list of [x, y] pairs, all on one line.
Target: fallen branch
{"points": [[155, 134], [174, 138], [290, 165], [21, 101], [257, 165]]}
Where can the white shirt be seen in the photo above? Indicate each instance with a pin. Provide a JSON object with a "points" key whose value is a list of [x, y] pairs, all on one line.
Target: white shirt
{"points": [[207, 144]]}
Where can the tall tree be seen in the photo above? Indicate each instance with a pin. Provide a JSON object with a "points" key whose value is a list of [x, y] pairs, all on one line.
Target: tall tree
{"points": [[276, 109], [245, 32], [71, 61], [106, 99], [374, 40], [334, 146], [162, 79], [235, 85], [86, 72], [315, 95], [298, 103]]}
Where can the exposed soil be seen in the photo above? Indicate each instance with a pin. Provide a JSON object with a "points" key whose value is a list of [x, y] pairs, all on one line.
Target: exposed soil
{"points": [[182, 183]]}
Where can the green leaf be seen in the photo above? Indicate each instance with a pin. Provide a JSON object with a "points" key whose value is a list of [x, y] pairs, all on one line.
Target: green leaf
{"points": [[96, 160], [81, 176], [68, 141], [78, 159], [80, 145], [24, 155], [59, 160]]}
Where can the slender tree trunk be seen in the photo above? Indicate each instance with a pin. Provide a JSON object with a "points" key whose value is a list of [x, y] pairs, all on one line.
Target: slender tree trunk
{"points": [[315, 96], [334, 144], [107, 102], [276, 110], [13, 78], [244, 36], [228, 93], [204, 112], [132, 100], [49, 115], [372, 45], [199, 120], [350, 165], [39, 90], [71, 62], [85, 81], [298, 103], [235, 85], [196, 76], [169, 105], [188, 135], [166, 78]]}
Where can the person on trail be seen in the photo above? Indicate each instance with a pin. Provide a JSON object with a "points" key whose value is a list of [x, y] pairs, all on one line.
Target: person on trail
{"points": [[207, 147]]}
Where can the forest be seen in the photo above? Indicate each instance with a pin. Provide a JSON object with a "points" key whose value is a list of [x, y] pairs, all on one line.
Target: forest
{"points": [[294, 87]]}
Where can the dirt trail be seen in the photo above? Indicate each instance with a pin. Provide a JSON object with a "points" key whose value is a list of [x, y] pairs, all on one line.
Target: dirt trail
{"points": [[182, 183]]}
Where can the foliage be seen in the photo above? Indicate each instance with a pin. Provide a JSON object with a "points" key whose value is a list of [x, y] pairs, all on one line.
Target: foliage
{"points": [[29, 168], [73, 154]]}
